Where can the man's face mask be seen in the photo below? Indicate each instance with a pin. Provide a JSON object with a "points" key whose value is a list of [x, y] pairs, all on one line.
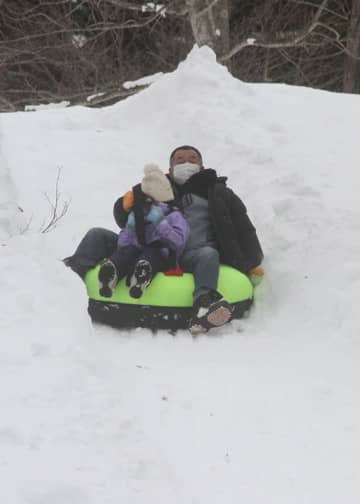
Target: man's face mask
{"points": [[183, 171]]}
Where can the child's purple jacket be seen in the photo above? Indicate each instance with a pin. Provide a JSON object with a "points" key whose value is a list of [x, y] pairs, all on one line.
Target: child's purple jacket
{"points": [[172, 230]]}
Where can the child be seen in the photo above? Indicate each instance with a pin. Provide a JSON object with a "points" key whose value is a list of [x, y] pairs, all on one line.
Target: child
{"points": [[152, 241]]}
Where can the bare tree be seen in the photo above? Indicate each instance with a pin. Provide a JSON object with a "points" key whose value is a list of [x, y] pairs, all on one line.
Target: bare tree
{"points": [[210, 24], [352, 60]]}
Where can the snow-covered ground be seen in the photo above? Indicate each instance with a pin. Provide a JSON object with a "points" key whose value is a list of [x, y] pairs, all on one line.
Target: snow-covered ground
{"points": [[266, 411]]}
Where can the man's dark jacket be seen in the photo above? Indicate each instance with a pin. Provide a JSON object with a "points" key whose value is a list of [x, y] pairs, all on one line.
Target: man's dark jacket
{"points": [[235, 234]]}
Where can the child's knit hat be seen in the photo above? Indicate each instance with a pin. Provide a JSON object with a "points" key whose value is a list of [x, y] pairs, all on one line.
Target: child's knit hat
{"points": [[155, 184]]}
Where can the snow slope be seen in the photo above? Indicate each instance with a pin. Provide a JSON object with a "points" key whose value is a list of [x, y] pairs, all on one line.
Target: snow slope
{"points": [[264, 411]]}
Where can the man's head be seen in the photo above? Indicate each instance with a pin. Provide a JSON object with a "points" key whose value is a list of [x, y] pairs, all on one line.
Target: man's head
{"points": [[185, 161]]}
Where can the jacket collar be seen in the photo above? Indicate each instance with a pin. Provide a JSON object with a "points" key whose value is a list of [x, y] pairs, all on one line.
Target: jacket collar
{"points": [[198, 184]]}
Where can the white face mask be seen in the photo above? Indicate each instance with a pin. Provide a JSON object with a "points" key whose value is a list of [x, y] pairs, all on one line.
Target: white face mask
{"points": [[182, 172]]}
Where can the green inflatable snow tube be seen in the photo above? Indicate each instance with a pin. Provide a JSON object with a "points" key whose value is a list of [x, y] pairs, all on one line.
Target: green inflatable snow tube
{"points": [[166, 302]]}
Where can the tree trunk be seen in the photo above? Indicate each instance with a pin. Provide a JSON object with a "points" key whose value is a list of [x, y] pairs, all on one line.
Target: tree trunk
{"points": [[352, 64], [209, 21]]}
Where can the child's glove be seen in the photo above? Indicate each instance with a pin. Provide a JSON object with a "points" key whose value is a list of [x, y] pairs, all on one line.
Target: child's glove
{"points": [[128, 201], [155, 215], [131, 222], [256, 275]]}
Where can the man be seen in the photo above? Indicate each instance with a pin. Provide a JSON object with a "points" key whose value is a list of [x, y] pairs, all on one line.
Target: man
{"points": [[220, 232]]}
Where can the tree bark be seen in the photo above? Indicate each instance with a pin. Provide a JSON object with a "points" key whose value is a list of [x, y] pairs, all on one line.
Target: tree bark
{"points": [[352, 61], [209, 21]]}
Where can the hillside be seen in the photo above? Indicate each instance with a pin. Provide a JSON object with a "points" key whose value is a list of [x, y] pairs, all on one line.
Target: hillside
{"points": [[265, 410]]}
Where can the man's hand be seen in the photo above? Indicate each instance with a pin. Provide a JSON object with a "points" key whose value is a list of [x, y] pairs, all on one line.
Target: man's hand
{"points": [[128, 201], [256, 275], [155, 215]]}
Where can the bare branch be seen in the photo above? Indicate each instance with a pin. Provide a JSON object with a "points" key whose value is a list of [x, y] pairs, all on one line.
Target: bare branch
{"points": [[131, 6], [106, 97], [56, 213], [167, 8], [26, 228], [278, 44], [326, 8]]}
